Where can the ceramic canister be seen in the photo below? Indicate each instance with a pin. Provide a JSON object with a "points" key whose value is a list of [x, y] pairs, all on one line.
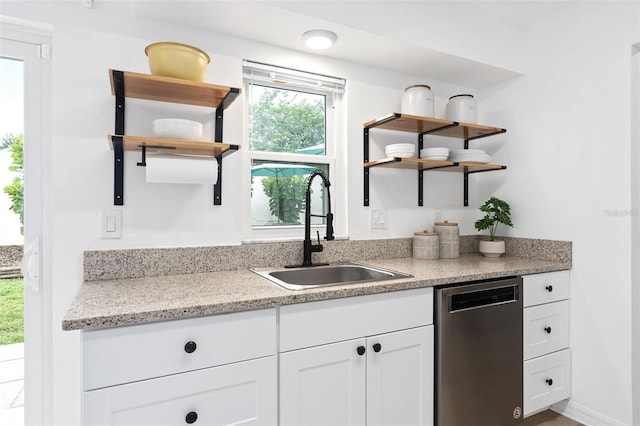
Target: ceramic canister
{"points": [[462, 108], [426, 245], [417, 100], [449, 235]]}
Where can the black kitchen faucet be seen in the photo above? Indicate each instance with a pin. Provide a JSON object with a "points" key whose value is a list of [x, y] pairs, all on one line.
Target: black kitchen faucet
{"points": [[308, 247]]}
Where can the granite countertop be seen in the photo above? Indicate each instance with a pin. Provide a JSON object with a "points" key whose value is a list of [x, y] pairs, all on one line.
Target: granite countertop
{"points": [[120, 302]]}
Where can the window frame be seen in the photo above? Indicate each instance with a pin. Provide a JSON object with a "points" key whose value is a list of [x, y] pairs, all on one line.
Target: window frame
{"points": [[333, 126]]}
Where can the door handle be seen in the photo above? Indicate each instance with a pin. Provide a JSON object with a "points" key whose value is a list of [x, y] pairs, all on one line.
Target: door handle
{"points": [[30, 266]]}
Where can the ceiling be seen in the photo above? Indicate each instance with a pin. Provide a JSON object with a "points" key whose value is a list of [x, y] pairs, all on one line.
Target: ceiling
{"points": [[404, 36]]}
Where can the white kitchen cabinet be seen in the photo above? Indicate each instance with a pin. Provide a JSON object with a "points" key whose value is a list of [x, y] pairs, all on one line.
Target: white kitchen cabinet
{"points": [[324, 385], [547, 361], [372, 379], [219, 369], [239, 393]]}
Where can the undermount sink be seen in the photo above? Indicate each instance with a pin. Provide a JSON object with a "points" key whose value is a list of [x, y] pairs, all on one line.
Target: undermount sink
{"points": [[324, 276]]}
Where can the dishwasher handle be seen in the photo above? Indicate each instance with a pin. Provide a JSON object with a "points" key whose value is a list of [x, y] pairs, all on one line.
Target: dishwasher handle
{"points": [[483, 298]]}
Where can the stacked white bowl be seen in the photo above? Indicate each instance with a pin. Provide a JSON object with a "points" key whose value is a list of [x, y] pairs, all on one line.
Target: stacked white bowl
{"points": [[402, 150], [469, 156], [437, 154]]}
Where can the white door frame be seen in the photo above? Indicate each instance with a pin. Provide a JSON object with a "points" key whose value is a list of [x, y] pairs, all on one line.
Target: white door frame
{"points": [[31, 43]]}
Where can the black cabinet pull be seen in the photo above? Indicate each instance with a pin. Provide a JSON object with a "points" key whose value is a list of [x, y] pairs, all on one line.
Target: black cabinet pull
{"points": [[549, 382], [377, 347], [361, 350], [191, 416], [190, 347], [548, 330], [549, 288]]}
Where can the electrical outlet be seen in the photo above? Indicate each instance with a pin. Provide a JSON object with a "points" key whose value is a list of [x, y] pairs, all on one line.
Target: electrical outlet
{"points": [[378, 219]]}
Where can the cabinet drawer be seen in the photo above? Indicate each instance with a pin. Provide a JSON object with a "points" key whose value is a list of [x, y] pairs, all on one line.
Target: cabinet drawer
{"points": [[544, 288], [317, 323], [546, 328], [126, 354], [547, 380], [240, 393]]}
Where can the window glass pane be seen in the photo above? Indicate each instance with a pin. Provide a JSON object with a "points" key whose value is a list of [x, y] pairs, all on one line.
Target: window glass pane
{"points": [[282, 120], [278, 192]]}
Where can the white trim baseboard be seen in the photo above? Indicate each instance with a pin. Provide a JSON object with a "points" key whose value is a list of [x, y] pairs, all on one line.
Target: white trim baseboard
{"points": [[584, 415]]}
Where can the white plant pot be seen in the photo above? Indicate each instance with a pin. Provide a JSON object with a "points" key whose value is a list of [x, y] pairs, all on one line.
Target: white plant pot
{"points": [[492, 248]]}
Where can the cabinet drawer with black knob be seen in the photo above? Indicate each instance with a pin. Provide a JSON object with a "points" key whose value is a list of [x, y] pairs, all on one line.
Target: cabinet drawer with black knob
{"points": [[546, 329], [545, 288], [240, 393], [127, 354], [547, 380]]}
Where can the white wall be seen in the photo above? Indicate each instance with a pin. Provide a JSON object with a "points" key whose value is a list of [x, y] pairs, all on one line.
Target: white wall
{"points": [[570, 179], [86, 43], [573, 103]]}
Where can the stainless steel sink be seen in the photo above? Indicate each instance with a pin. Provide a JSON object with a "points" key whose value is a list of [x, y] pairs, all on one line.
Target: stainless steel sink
{"points": [[324, 276]]}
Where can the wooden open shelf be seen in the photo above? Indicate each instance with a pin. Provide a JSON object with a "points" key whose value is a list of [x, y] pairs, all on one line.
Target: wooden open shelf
{"points": [[445, 166], [174, 146], [168, 89], [432, 126]]}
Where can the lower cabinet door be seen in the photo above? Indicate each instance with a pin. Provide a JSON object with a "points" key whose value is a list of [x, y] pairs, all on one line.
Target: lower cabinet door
{"points": [[547, 380], [324, 385], [240, 393], [400, 378]]}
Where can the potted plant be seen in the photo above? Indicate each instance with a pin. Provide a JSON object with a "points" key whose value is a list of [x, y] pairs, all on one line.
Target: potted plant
{"points": [[497, 211]]}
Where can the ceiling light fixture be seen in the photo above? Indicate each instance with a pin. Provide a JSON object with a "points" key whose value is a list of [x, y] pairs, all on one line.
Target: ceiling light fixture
{"points": [[319, 39]]}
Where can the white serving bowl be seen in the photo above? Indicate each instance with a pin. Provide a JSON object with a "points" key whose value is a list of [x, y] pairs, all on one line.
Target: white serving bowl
{"points": [[435, 157], [434, 151], [401, 154], [402, 146], [177, 128]]}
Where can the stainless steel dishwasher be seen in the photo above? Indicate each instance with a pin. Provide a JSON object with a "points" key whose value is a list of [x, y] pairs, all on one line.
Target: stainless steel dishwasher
{"points": [[479, 354]]}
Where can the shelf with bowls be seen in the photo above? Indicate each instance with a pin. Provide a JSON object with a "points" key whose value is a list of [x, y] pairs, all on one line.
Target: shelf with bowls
{"points": [[428, 126], [125, 84]]}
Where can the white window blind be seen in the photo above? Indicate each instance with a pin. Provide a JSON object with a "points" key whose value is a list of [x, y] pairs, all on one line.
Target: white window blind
{"points": [[291, 79]]}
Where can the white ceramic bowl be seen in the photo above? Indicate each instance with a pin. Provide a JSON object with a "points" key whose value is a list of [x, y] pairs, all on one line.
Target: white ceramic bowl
{"points": [[177, 128], [434, 151], [435, 157], [402, 146], [401, 154]]}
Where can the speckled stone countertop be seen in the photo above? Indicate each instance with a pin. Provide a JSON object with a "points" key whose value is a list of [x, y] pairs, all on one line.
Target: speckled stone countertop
{"points": [[119, 302]]}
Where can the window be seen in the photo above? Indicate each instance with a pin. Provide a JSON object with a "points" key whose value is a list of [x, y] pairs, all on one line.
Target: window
{"points": [[291, 123]]}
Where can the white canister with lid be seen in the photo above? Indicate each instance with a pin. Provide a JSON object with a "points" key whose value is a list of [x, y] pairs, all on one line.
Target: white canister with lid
{"points": [[417, 100], [449, 235], [462, 108]]}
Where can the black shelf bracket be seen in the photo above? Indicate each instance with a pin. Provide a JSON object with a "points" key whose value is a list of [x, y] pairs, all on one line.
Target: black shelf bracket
{"points": [[366, 169], [118, 170], [217, 188], [118, 86]]}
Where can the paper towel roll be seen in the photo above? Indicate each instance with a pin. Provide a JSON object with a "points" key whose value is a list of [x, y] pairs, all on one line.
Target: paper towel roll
{"points": [[176, 169]]}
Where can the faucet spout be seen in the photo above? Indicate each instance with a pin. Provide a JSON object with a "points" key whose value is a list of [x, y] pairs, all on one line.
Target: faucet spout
{"points": [[308, 246]]}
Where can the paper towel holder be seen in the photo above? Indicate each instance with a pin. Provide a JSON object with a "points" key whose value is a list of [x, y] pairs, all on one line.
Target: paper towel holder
{"points": [[143, 163]]}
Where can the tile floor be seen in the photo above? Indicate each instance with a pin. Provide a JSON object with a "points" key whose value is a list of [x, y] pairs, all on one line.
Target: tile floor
{"points": [[12, 384]]}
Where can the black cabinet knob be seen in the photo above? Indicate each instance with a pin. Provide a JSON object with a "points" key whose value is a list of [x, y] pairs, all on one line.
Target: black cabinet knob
{"points": [[361, 350], [549, 382], [548, 330], [549, 288], [191, 416], [377, 347], [190, 347]]}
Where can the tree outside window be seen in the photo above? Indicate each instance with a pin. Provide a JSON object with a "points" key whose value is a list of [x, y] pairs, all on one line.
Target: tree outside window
{"points": [[15, 143]]}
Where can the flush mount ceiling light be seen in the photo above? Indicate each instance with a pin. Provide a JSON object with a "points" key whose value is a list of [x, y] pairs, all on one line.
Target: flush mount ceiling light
{"points": [[319, 39]]}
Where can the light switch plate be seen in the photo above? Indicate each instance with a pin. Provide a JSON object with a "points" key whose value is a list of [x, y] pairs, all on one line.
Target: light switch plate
{"points": [[378, 219], [111, 224]]}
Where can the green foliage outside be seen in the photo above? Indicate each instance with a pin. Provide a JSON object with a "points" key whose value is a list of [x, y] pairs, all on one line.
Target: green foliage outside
{"points": [[286, 197], [281, 122], [12, 312], [15, 143], [285, 121], [497, 211]]}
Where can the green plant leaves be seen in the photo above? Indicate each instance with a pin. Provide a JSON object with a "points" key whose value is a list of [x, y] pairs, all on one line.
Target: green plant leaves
{"points": [[497, 211]]}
